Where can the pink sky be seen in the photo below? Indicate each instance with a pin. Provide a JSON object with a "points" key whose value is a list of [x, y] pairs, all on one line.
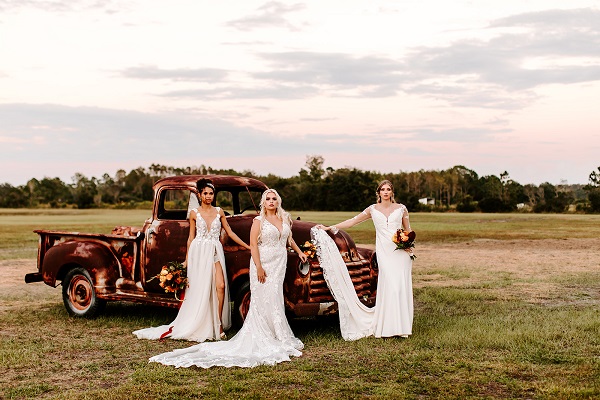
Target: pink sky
{"points": [[381, 86]]}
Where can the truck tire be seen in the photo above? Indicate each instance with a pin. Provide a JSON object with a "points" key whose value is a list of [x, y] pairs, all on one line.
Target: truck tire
{"points": [[79, 295], [241, 304]]}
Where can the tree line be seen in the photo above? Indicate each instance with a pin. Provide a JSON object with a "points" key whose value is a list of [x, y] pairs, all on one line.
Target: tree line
{"points": [[317, 187]]}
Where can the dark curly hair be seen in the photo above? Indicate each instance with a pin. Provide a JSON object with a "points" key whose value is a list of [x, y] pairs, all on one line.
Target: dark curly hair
{"points": [[203, 183]]}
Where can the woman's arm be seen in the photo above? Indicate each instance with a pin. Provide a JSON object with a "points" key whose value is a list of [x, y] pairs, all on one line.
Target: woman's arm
{"points": [[230, 232], [191, 235], [297, 249], [254, 231], [357, 219]]}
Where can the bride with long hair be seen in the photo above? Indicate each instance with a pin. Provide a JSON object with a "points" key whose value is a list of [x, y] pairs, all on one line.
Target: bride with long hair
{"points": [[393, 311]]}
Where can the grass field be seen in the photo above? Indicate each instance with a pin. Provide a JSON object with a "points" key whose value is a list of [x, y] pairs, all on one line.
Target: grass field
{"points": [[506, 306]]}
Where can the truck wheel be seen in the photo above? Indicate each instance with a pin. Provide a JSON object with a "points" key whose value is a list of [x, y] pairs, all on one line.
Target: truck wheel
{"points": [[79, 296], [241, 304]]}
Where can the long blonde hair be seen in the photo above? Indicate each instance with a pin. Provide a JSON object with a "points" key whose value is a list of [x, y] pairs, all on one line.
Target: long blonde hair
{"points": [[283, 215], [385, 182]]}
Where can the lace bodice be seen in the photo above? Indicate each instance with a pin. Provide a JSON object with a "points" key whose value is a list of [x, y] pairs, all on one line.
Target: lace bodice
{"points": [[206, 233], [272, 246], [270, 236]]}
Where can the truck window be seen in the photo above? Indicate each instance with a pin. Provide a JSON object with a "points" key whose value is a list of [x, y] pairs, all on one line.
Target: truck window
{"points": [[224, 200], [174, 204], [250, 202]]}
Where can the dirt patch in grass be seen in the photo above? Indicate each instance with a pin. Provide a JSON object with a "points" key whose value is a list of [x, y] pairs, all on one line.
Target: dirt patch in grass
{"points": [[12, 272], [536, 271]]}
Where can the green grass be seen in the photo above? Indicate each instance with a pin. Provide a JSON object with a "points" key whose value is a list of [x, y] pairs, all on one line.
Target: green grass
{"points": [[470, 340], [17, 225], [19, 241], [460, 227]]}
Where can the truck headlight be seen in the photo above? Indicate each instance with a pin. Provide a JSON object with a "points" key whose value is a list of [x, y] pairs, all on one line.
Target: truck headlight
{"points": [[304, 268]]}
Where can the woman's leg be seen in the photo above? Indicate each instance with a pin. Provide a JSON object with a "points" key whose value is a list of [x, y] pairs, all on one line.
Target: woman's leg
{"points": [[220, 280]]}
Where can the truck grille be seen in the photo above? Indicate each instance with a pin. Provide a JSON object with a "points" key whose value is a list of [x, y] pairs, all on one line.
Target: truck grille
{"points": [[359, 273]]}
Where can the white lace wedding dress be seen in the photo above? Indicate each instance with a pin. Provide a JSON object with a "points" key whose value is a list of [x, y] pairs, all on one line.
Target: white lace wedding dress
{"points": [[393, 311], [198, 317], [266, 337]]}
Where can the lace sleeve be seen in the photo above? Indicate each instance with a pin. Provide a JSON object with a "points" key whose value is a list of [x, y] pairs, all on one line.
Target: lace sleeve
{"points": [[405, 218]]}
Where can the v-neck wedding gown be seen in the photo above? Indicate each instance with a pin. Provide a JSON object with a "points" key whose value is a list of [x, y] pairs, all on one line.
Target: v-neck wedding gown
{"points": [[198, 317], [393, 312], [265, 337]]}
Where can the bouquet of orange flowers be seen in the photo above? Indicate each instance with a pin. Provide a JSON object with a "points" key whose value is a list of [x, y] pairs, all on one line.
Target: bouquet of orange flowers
{"points": [[309, 249], [405, 241], [172, 277]]}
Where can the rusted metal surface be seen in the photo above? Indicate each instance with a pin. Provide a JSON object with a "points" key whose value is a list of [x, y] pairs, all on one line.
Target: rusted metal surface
{"points": [[121, 263]]}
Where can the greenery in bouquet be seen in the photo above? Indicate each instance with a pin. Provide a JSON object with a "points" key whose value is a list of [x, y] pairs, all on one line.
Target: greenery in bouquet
{"points": [[405, 241], [172, 278]]}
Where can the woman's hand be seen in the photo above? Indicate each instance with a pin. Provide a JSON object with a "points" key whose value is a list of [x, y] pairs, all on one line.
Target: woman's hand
{"points": [[320, 226], [261, 274], [302, 257]]}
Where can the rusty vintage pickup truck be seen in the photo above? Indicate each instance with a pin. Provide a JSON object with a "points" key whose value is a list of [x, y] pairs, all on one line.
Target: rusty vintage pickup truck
{"points": [[96, 268]]}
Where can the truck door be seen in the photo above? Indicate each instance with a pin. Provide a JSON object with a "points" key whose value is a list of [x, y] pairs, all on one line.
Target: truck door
{"points": [[166, 237]]}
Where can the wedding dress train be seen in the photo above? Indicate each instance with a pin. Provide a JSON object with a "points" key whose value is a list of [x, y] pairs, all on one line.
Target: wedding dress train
{"points": [[265, 337], [393, 312]]}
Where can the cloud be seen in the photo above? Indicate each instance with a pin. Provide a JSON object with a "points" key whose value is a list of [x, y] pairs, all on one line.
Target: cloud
{"points": [[298, 75], [269, 15], [578, 18], [335, 69], [389, 138], [525, 51], [266, 91], [87, 133], [109, 6], [500, 65], [209, 75]]}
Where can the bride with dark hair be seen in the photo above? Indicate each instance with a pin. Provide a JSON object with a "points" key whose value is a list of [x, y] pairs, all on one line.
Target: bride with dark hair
{"points": [[265, 337], [203, 314]]}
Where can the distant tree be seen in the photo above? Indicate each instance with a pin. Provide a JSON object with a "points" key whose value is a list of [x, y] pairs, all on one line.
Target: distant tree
{"points": [[54, 192], [552, 200], [313, 170], [350, 189], [13, 197], [593, 191], [491, 196], [84, 191]]}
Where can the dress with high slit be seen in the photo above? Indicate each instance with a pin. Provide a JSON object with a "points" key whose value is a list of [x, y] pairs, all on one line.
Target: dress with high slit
{"points": [[198, 316]]}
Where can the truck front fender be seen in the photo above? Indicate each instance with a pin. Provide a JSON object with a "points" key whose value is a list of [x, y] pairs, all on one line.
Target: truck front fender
{"points": [[95, 256]]}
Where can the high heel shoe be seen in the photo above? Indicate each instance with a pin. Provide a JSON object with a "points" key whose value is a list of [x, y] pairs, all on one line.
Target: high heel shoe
{"points": [[223, 336]]}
